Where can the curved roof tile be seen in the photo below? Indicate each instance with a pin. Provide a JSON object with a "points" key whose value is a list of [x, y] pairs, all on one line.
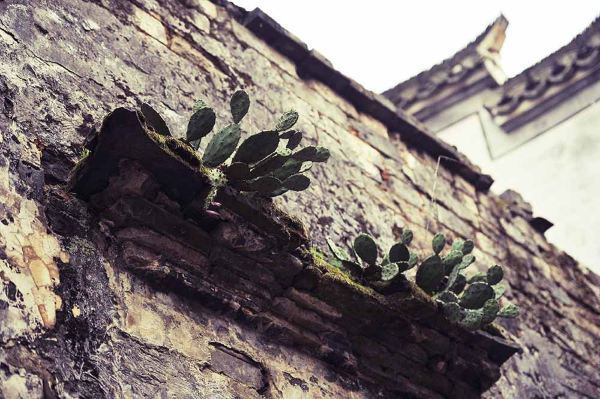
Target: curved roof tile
{"points": [[571, 63], [451, 74]]}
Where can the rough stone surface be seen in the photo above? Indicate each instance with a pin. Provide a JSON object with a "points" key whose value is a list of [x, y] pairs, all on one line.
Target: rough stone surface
{"points": [[79, 321]]}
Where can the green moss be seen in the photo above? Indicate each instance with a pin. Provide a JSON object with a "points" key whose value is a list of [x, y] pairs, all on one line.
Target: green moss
{"points": [[181, 150], [321, 262], [84, 154], [176, 148], [291, 223], [494, 329]]}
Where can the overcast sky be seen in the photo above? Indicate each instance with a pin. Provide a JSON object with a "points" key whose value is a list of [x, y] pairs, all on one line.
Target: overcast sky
{"points": [[380, 43]]}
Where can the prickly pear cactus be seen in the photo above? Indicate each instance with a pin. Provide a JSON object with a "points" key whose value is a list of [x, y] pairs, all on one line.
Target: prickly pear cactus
{"points": [[438, 243], [494, 275], [475, 300], [406, 237], [260, 164], [297, 182], [399, 253], [201, 123], [430, 274], [222, 145], [384, 274], [239, 105], [452, 311], [471, 303], [286, 121], [154, 120], [476, 295], [366, 248], [509, 310], [282, 169], [257, 147]]}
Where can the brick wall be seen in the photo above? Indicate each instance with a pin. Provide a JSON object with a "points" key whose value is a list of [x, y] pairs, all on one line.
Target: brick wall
{"points": [[65, 65]]}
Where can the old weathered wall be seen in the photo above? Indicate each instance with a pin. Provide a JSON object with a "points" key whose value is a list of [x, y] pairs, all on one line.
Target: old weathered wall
{"points": [[65, 64]]}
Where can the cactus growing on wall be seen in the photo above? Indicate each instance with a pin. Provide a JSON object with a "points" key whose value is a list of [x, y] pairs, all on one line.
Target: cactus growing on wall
{"points": [[368, 267], [471, 303], [268, 162]]}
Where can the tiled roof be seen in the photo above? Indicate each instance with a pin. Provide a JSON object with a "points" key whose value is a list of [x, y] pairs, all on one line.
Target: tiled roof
{"points": [[450, 76], [562, 72]]}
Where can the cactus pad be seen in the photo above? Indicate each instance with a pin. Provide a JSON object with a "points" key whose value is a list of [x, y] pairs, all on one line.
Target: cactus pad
{"points": [[452, 259], [468, 247], [478, 277], [296, 182], [452, 277], [430, 274], [509, 311], [221, 146], [201, 123], [305, 154], [459, 284], [264, 184], [489, 311], [154, 120], [447, 296], [294, 139], [494, 275], [288, 168], [457, 245], [466, 261], [238, 171], [365, 248], [398, 253], [272, 164], [286, 121], [287, 135], [354, 268], [239, 105], [452, 312], [276, 192], [404, 266], [438, 243], [476, 295], [499, 290], [412, 260], [312, 153], [372, 273], [406, 237], [338, 252], [322, 155], [389, 271], [472, 320], [257, 147]]}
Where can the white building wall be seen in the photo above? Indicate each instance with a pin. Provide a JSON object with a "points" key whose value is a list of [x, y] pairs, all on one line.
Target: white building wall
{"points": [[558, 172]]}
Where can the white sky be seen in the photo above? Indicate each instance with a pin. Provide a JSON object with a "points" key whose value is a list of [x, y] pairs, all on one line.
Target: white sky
{"points": [[382, 42]]}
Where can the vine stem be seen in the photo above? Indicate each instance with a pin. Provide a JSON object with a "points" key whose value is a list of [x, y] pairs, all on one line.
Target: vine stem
{"points": [[433, 202]]}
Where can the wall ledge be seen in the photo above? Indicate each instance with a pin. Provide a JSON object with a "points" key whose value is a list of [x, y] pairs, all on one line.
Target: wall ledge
{"points": [[255, 264]]}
